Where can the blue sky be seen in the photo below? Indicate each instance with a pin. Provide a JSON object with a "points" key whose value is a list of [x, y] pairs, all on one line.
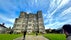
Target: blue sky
{"points": [[56, 13]]}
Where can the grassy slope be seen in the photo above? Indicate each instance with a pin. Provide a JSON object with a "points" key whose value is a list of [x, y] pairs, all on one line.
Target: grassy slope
{"points": [[9, 36], [55, 36]]}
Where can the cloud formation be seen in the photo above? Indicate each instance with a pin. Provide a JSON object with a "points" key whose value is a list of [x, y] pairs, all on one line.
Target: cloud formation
{"points": [[56, 13]]}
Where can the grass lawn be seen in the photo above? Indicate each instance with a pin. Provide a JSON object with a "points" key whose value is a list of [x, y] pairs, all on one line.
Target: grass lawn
{"points": [[55, 36], [9, 36]]}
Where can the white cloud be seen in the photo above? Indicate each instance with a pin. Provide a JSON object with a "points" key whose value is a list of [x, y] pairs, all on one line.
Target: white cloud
{"points": [[67, 11], [63, 2], [36, 1], [9, 25], [58, 4], [7, 19], [51, 5], [57, 24]]}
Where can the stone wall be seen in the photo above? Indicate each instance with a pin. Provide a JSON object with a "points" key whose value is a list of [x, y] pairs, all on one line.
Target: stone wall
{"points": [[30, 22]]}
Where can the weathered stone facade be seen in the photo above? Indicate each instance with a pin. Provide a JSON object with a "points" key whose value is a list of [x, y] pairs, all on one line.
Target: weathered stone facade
{"points": [[30, 22]]}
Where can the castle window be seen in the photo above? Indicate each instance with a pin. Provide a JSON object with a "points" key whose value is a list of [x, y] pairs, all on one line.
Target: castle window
{"points": [[29, 24], [19, 21], [29, 20], [18, 24], [34, 18]]}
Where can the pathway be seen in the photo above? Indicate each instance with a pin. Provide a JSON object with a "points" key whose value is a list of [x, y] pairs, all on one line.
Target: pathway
{"points": [[31, 37]]}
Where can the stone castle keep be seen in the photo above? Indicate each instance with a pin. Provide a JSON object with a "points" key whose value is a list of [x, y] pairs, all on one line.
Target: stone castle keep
{"points": [[29, 22]]}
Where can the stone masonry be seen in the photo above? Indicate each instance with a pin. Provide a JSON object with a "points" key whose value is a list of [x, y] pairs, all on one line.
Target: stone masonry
{"points": [[29, 22]]}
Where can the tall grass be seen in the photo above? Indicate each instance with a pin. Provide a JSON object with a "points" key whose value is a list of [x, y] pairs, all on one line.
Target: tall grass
{"points": [[55, 36], [9, 36]]}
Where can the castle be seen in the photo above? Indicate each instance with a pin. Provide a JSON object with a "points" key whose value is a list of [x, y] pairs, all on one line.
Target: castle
{"points": [[29, 22]]}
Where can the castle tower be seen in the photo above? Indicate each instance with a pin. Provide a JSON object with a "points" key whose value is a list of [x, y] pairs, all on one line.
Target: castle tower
{"points": [[40, 22], [29, 22], [20, 23]]}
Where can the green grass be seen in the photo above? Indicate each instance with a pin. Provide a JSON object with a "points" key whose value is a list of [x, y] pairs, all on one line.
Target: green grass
{"points": [[55, 36], [49, 36], [9, 36]]}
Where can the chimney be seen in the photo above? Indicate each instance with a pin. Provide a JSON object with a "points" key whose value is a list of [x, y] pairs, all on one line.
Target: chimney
{"points": [[3, 24]]}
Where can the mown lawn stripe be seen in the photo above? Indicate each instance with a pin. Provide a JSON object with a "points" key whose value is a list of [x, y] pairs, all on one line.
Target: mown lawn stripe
{"points": [[9, 36], [55, 36]]}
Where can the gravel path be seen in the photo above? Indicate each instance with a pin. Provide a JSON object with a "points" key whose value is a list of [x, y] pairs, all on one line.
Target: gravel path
{"points": [[31, 37]]}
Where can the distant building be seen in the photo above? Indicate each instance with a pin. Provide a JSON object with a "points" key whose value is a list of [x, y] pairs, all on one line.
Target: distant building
{"points": [[2, 28], [54, 30], [29, 22]]}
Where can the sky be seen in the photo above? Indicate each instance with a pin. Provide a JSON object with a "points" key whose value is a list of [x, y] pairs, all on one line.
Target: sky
{"points": [[56, 13]]}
